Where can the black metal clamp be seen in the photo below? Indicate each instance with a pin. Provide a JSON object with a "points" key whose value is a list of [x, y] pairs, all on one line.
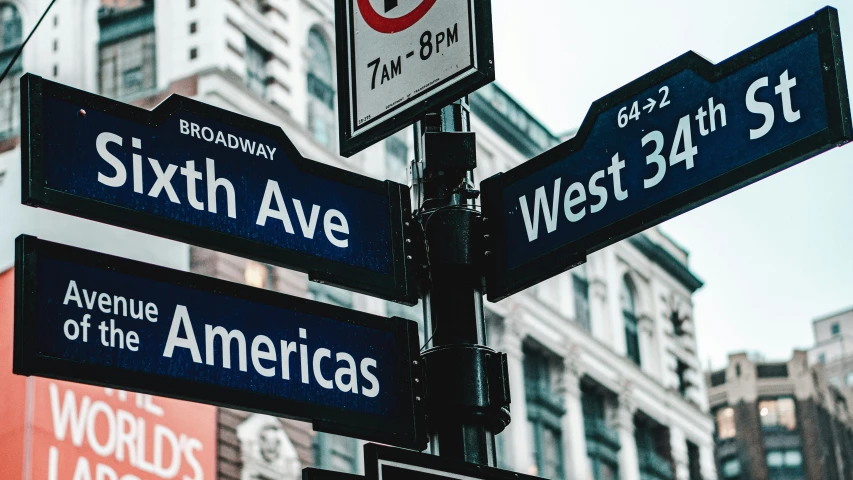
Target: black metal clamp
{"points": [[467, 384]]}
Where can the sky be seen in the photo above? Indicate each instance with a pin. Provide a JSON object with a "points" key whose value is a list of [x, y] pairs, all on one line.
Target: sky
{"points": [[774, 255]]}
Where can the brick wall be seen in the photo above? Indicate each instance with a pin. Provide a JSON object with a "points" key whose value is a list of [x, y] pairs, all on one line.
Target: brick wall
{"points": [[751, 442]]}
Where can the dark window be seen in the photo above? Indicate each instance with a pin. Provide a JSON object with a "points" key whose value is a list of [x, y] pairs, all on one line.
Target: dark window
{"points": [[396, 159], [56, 45], [772, 370], [55, 20], [785, 464], [632, 334], [193, 27], [653, 450], [693, 465], [718, 378], [730, 469], [544, 409], [602, 442], [580, 289], [321, 92], [836, 328], [193, 53], [55, 70], [11, 28], [256, 67], [192, 3], [10, 40], [737, 370], [778, 414], [128, 66], [684, 384], [334, 452]]}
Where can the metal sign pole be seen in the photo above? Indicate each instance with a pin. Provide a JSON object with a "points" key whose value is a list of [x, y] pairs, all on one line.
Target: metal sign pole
{"points": [[467, 392]]}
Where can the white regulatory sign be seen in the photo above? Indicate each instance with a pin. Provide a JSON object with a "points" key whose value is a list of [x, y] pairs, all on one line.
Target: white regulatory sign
{"points": [[398, 59]]}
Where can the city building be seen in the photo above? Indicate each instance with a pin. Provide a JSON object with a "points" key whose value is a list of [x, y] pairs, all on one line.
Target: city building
{"points": [[780, 421], [605, 378], [833, 347]]}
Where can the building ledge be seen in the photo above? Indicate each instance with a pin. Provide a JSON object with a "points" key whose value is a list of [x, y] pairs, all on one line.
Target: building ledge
{"points": [[670, 264]]}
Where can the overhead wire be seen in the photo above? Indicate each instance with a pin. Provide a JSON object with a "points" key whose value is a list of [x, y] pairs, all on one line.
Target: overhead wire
{"points": [[21, 48]]}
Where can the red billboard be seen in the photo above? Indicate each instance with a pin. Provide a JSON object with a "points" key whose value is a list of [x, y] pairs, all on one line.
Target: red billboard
{"points": [[55, 430]]}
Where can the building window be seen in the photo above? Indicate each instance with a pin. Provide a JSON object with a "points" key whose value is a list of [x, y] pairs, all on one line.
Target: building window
{"points": [[726, 423], [580, 290], [821, 359], [192, 3], [544, 410], [337, 453], [128, 66], [730, 469], [632, 335], [55, 70], [321, 92], [681, 369], [256, 67], [602, 442], [259, 275], [693, 466], [10, 40], [56, 45], [193, 27], [836, 328], [778, 414], [193, 53], [653, 450], [785, 464]]}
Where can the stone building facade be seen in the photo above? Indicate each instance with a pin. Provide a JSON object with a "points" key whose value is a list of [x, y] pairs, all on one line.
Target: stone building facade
{"points": [[605, 378], [833, 347], [780, 421]]}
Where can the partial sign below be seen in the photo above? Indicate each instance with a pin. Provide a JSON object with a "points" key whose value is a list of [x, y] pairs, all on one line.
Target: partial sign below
{"points": [[98, 319], [672, 140], [386, 463], [203, 175], [397, 59]]}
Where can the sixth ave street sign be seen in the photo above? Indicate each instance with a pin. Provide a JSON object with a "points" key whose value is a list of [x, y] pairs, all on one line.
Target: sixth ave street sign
{"points": [[397, 59], [672, 140], [206, 176]]}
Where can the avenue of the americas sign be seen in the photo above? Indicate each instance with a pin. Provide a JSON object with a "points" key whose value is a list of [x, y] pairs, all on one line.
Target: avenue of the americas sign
{"points": [[672, 140], [103, 320], [206, 176], [385, 463], [397, 59]]}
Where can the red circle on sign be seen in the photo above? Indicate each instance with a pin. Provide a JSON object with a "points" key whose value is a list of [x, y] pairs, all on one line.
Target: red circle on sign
{"points": [[392, 25]]}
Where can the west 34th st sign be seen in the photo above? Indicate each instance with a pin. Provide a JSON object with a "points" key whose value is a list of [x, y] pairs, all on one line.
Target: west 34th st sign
{"points": [[668, 142], [202, 175]]}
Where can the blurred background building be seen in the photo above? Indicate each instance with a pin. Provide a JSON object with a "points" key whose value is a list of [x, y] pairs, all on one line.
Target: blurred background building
{"points": [[605, 376], [780, 421], [833, 347]]}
